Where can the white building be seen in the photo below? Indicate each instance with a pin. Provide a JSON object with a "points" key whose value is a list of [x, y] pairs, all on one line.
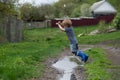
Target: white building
{"points": [[102, 7]]}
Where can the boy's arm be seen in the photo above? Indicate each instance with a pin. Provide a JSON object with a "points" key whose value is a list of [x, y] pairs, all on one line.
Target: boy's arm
{"points": [[61, 28]]}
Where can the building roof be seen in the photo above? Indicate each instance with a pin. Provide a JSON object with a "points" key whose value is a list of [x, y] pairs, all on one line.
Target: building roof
{"points": [[102, 7]]}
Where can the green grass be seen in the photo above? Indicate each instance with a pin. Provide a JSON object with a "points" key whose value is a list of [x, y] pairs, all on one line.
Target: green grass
{"points": [[97, 68], [24, 60], [93, 39]]}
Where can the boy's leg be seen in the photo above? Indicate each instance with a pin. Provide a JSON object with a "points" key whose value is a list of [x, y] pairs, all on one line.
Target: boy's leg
{"points": [[74, 48]]}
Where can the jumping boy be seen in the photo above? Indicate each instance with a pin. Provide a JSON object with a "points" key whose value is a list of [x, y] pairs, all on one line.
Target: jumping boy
{"points": [[66, 26]]}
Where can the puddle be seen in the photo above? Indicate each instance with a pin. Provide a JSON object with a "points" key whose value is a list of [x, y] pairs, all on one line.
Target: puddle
{"points": [[66, 67]]}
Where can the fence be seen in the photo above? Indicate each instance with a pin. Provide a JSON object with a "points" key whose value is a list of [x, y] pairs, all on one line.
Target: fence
{"points": [[40, 24], [86, 21], [10, 29]]}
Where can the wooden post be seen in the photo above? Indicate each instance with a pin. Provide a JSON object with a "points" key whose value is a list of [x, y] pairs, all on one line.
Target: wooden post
{"points": [[8, 28], [16, 30]]}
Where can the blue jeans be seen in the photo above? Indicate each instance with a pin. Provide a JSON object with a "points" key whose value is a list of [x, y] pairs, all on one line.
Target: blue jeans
{"points": [[74, 48]]}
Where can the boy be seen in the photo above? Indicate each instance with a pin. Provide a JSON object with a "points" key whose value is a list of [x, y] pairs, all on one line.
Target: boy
{"points": [[66, 26]]}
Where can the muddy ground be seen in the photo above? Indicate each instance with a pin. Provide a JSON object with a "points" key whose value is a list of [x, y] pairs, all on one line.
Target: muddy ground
{"points": [[113, 54]]}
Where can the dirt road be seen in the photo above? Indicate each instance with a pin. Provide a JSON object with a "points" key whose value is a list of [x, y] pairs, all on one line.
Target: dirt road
{"points": [[113, 54]]}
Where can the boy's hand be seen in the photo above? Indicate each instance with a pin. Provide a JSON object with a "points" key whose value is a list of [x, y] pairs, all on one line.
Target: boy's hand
{"points": [[58, 23]]}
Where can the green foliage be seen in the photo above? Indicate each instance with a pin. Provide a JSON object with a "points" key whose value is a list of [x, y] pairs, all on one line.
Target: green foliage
{"points": [[26, 11], [69, 10], [7, 7], [102, 27], [116, 4], [30, 12], [76, 12], [85, 11], [116, 21], [97, 68]]}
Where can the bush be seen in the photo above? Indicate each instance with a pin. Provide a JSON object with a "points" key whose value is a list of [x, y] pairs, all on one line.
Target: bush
{"points": [[116, 22], [102, 28]]}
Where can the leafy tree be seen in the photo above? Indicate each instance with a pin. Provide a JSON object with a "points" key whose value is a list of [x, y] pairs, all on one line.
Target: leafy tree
{"points": [[85, 9], [36, 13], [76, 12], [26, 11], [8, 7], [116, 4], [47, 10], [64, 7]]}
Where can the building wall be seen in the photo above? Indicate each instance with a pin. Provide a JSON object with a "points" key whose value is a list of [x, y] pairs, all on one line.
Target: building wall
{"points": [[87, 21]]}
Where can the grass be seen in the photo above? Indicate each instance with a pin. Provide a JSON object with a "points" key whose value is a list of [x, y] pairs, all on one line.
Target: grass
{"points": [[94, 39], [24, 60], [97, 68]]}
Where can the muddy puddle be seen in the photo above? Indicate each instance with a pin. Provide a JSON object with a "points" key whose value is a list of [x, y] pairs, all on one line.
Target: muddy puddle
{"points": [[65, 67]]}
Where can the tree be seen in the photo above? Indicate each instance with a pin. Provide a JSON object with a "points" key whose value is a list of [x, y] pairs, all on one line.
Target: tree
{"points": [[47, 10], [85, 10], [76, 12], [36, 13], [62, 10], [8, 7], [116, 4], [26, 11]]}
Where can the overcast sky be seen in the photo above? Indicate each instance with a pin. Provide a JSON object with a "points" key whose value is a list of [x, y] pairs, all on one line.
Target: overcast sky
{"points": [[38, 2]]}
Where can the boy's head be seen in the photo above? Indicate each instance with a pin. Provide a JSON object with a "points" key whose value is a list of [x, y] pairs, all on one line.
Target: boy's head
{"points": [[66, 23]]}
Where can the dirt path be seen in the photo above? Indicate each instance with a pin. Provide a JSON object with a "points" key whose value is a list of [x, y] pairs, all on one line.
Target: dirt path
{"points": [[113, 54]]}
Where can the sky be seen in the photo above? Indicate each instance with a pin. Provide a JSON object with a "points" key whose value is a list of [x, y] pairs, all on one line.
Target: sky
{"points": [[38, 2]]}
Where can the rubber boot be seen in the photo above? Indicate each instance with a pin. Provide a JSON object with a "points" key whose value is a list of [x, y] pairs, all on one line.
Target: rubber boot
{"points": [[83, 56]]}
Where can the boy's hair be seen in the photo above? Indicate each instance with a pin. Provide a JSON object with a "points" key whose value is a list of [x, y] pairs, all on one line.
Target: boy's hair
{"points": [[66, 23]]}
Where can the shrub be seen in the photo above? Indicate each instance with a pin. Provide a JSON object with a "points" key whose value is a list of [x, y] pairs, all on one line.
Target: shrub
{"points": [[116, 21], [102, 28]]}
